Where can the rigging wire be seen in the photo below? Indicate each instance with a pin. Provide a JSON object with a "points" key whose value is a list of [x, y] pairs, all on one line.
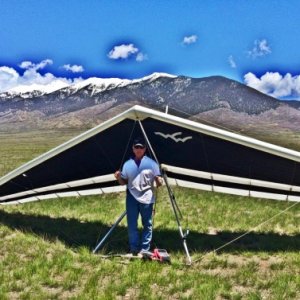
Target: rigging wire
{"points": [[177, 210], [120, 167], [82, 171], [127, 146], [98, 145], [162, 171], [246, 233], [206, 121], [206, 159], [175, 207], [207, 162]]}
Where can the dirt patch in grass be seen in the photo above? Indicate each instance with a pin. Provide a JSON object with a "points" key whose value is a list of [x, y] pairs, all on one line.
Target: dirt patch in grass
{"points": [[241, 290], [226, 265], [131, 293]]}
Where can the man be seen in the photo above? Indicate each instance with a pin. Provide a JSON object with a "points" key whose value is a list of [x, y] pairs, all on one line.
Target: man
{"points": [[139, 173]]}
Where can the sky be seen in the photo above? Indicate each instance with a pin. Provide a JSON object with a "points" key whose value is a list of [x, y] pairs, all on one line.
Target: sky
{"points": [[63, 41]]}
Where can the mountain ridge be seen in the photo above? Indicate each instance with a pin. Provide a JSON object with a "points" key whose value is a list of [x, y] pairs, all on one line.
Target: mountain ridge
{"points": [[214, 100], [24, 91]]}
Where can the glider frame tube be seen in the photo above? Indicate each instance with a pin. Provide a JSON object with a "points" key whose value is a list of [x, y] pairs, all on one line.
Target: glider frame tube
{"points": [[100, 244]]}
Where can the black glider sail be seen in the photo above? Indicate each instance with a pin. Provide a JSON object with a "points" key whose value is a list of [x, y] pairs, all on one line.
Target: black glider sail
{"points": [[192, 154]]}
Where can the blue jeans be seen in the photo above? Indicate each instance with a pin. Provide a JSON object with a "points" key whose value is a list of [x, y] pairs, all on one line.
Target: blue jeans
{"points": [[134, 208]]}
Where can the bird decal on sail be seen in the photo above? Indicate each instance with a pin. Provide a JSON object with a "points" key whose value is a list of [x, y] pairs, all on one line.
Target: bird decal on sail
{"points": [[174, 136]]}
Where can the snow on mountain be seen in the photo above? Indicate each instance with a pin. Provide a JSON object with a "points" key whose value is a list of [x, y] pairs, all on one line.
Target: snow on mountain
{"points": [[101, 84], [96, 85], [34, 90], [155, 76]]}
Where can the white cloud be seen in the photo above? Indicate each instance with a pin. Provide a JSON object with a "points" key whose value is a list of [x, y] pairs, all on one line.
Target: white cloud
{"points": [[141, 57], [26, 64], [187, 40], [10, 78], [122, 51], [232, 62], [30, 65], [274, 84], [73, 68], [260, 49]]}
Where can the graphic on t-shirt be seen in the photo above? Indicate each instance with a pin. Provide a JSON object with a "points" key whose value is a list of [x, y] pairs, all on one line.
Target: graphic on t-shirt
{"points": [[144, 180]]}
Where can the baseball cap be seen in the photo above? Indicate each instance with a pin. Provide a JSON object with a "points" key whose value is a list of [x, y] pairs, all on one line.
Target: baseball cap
{"points": [[139, 142]]}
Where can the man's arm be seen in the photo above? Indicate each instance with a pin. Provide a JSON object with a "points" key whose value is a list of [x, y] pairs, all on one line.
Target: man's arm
{"points": [[121, 180]]}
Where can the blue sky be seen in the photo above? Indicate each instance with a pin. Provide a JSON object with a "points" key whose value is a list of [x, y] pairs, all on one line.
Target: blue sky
{"points": [[253, 42]]}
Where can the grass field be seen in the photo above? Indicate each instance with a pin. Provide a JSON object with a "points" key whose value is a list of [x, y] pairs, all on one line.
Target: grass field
{"points": [[45, 247]]}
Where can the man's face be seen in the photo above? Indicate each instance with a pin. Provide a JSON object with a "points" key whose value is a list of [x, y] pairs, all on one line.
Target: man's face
{"points": [[139, 151]]}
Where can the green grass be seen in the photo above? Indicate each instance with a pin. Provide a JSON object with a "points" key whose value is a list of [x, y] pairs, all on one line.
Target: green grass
{"points": [[19, 147], [46, 247]]}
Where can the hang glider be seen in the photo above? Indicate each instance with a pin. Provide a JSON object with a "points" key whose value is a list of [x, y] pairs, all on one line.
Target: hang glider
{"points": [[192, 154]]}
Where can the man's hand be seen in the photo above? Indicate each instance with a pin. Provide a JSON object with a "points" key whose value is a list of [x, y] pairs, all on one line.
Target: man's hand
{"points": [[119, 178], [158, 181], [117, 175]]}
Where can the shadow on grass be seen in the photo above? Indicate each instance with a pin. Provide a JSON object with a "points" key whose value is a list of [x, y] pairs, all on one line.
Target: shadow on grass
{"points": [[74, 233]]}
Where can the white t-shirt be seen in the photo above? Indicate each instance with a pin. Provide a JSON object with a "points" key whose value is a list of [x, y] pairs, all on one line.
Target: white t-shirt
{"points": [[140, 178]]}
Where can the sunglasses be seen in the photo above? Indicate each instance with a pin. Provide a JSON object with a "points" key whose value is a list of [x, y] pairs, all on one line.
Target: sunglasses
{"points": [[139, 147]]}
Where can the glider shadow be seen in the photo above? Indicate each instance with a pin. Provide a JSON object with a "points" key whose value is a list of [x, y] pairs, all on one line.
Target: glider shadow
{"points": [[75, 233]]}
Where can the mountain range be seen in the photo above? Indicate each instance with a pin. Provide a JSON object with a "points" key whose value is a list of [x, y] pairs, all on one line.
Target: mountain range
{"points": [[213, 100]]}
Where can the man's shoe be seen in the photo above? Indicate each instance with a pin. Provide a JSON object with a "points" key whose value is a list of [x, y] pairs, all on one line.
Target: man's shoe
{"points": [[146, 254], [128, 255], [133, 254]]}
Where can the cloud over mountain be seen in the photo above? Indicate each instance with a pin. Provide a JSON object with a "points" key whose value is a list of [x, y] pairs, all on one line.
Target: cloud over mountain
{"points": [[274, 84], [28, 65], [11, 78], [8, 78]]}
